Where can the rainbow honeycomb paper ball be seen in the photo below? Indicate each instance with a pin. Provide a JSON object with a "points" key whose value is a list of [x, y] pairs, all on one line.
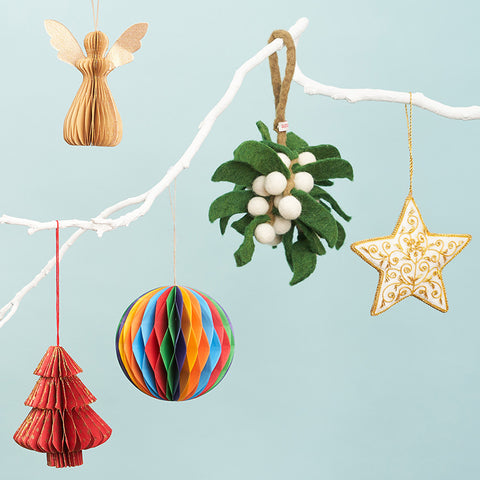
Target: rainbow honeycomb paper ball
{"points": [[174, 343]]}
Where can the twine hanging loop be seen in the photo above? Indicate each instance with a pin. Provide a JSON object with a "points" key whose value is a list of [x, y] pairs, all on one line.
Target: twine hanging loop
{"points": [[281, 88]]}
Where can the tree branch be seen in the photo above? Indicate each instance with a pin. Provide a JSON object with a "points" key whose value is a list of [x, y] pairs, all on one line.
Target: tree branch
{"points": [[103, 223], [353, 95]]}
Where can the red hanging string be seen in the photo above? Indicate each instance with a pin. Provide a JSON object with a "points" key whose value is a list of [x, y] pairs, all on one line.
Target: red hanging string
{"points": [[57, 258]]}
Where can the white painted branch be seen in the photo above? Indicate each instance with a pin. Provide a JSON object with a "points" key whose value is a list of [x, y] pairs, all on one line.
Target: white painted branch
{"points": [[354, 95], [102, 222], [9, 310]]}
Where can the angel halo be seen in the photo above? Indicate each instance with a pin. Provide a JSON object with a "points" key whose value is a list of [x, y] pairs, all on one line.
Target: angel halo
{"points": [[93, 118]]}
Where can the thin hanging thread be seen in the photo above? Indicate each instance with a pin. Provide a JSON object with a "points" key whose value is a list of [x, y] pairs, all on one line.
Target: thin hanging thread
{"points": [[94, 83], [57, 271], [173, 207], [409, 127], [95, 15]]}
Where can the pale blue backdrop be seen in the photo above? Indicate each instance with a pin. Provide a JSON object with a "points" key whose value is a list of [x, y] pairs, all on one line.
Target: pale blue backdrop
{"points": [[318, 389]]}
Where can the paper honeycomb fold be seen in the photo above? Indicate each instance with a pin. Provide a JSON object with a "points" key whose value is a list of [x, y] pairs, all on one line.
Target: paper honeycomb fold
{"points": [[175, 343]]}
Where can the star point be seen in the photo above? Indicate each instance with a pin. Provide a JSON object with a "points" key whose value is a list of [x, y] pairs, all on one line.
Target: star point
{"points": [[410, 261]]}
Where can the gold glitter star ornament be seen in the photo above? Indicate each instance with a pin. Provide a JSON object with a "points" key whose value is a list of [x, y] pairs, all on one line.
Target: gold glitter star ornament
{"points": [[410, 261]]}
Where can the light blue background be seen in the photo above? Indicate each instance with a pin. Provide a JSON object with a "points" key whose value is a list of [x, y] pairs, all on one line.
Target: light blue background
{"points": [[318, 389]]}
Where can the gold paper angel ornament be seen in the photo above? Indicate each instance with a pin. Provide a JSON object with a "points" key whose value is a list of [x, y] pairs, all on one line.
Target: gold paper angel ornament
{"points": [[93, 118]]}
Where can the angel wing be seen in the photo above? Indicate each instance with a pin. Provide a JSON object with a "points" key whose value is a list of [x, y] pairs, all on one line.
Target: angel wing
{"points": [[62, 40], [129, 42]]}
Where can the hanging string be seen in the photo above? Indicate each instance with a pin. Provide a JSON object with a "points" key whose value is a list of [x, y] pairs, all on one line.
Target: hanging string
{"points": [[281, 88], [173, 207], [91, 139], [96, 19], [57, 271], [95, 15], [409, 128]]}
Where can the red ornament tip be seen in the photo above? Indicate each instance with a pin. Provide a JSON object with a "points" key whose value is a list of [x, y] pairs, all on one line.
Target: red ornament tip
{"points": [[57, 363]]}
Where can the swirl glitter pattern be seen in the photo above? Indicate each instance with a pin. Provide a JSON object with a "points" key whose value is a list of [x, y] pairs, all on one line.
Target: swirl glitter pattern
{"points": [[410, 261]]}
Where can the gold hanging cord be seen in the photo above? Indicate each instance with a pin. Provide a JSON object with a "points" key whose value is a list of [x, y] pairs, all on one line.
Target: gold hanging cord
{"points": [[409, 128]]}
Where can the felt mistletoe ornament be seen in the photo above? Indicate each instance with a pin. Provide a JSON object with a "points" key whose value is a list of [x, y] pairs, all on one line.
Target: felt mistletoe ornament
{"points": [[280, 187]]}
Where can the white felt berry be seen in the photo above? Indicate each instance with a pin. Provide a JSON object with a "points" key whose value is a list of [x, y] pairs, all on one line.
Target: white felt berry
{"points": [[258, 186], [303, 181], [276, 240], [265, 233], [281, 225], [257, 206], [277, 199], [284, 158], [306, 157], [275, 183], [290, 207]]}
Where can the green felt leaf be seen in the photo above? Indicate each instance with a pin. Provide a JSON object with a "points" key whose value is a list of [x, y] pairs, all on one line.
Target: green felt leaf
{"points": [[311, 237], [326, 169], [281, 149], [341, 236], [242, 224], [325, 205], [245, 252], [229, 204], [263, 129], [294, 142], [287, 241], [320, 193], [261, 157], [317, 217], [236, 172], [316, 193], [323, 151], [324, 183], [223, 224], [304, 261], [237, 188]]}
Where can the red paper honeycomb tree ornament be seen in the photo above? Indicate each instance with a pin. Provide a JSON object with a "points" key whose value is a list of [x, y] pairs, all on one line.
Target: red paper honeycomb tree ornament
{"points": [[61, 422]]}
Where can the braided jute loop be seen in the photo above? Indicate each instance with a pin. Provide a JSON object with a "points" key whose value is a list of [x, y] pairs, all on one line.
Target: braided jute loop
{"points": [[281, 88]]}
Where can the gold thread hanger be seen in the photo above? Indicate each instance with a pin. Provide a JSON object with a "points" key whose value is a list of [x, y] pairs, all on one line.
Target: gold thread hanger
{"points": [[409, 130]]}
